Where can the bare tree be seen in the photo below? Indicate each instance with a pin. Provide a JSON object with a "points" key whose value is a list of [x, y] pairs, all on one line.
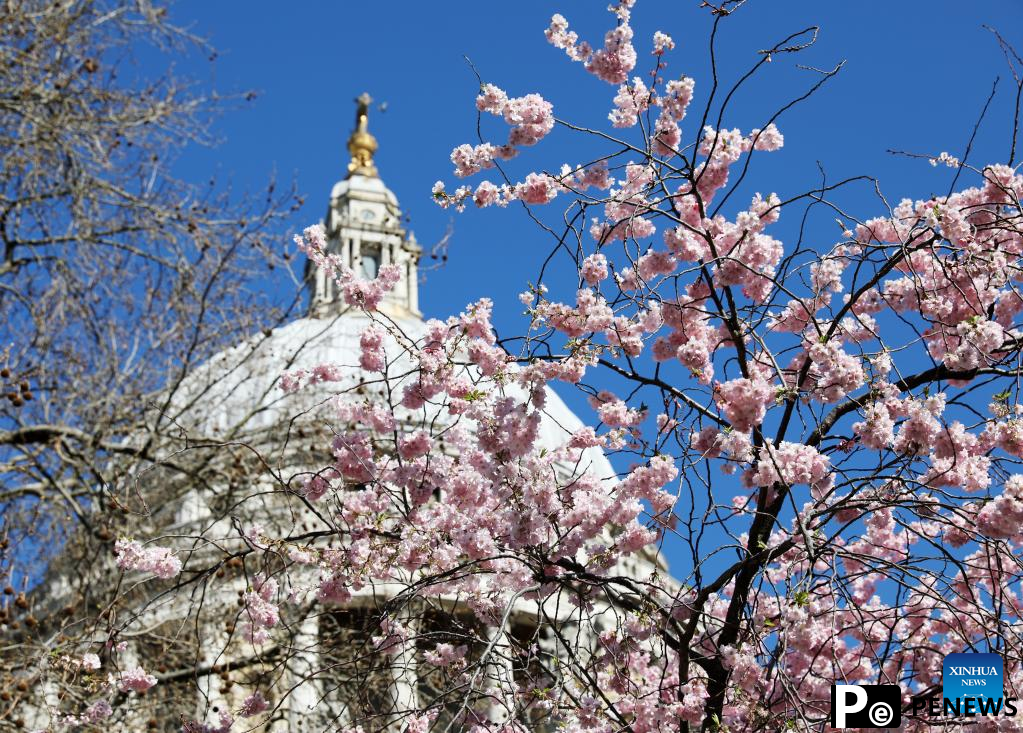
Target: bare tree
{"points": [[116, 278]]}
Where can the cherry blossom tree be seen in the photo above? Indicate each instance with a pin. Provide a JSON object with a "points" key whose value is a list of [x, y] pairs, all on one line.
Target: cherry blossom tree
{"points": [[823, 436]]}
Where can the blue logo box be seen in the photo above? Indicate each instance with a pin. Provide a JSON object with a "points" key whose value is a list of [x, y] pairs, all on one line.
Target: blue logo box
{"points": [[979, 676]]}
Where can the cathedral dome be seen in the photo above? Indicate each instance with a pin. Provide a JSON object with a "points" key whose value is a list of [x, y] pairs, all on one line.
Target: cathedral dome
{"points": [[241, 394], [365, 188], [238, 395]]}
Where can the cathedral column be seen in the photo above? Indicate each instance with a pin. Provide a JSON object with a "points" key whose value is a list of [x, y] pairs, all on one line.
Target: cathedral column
{"points": [[413, 284], [404, 690], [211, 686], [356, 257], [306, 691], [499, 681], [321, 288], [346, 252]]}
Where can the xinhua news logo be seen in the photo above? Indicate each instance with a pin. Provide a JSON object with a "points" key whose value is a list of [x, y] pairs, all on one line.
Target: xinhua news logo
{"points": [[976, 677], [972, 686], [866, 706]]}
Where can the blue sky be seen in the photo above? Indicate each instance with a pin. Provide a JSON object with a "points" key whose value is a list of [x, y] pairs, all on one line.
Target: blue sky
{"points": [[916, 77]]}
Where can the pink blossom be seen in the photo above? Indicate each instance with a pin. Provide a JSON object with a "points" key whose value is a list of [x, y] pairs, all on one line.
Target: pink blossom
{"points": [[300, 378], [372, 357], [253, 705], [90, 661], [480, 490], [685, 244], [301, 555], [414, 445], [420, 723], [1008, 436], [487, 194], [827, 274], [136, 680], [1003, 517], [876, 429], [367, 294], [376, 416], [353, 456], [360, 293], [835, 373], [585, 438], [531, 118], [796, 316], [315, 487], [751, 264], [313, 243], [614, 412], [260, 612], [675, 98], [790, 463], [745, 670], [491, 99], [594, 269], [591, 176], [945, 158], [662, 43], [160, 561], [706, 442], [970, 471], [475, 321], [768, 139], [630, 102], [617, 58], [99, 710], [744, 401], [614, 61], [392, 637], [94, 714], [737, 446], [977, 339], [653, 264], [444, 655], [921, 429], [667, 135], [469, 159], [560, 37], [537, 188]]}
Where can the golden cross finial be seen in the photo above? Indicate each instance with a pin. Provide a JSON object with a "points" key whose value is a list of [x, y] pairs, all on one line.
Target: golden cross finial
{"points": [[362, 144]]}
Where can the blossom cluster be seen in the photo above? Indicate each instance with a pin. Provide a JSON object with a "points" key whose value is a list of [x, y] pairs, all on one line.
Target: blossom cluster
{"points": [[136, 679], [160, 561], [261, 612], [357, 292]]}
